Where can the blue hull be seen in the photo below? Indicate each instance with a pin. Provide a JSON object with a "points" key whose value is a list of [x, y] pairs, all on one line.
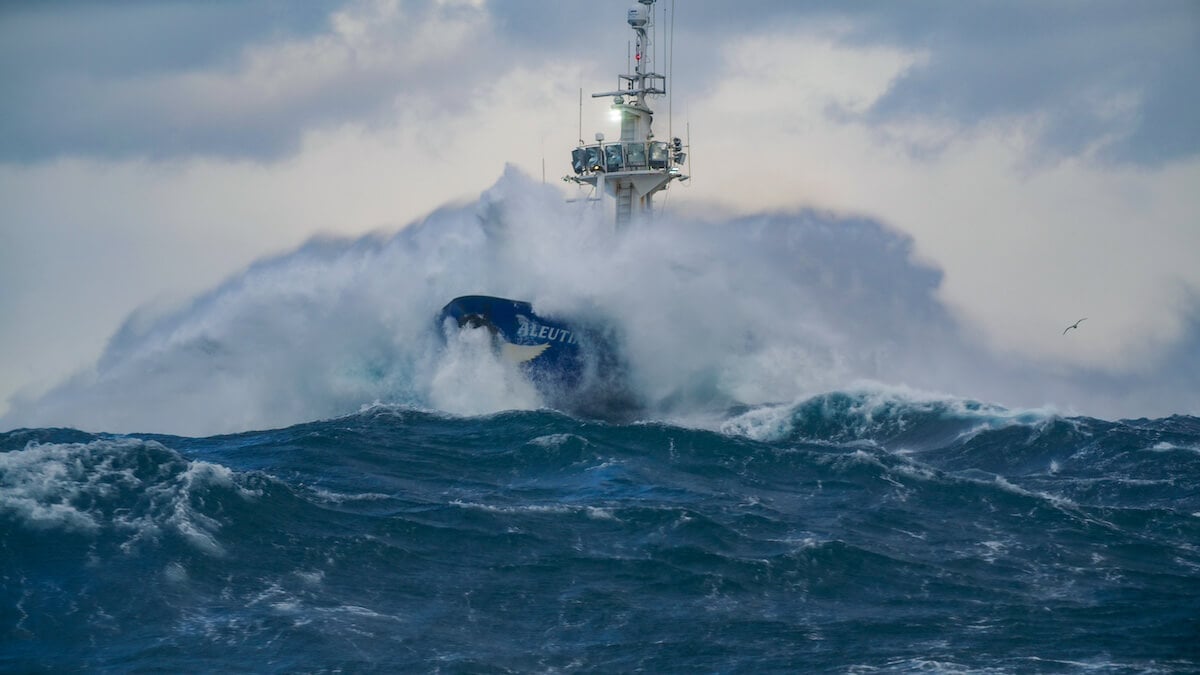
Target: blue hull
{"points": [[556, 356], [574, 364]]}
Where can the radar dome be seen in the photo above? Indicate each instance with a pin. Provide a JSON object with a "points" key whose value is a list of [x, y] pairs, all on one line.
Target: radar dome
{"points": [[637, 16]]}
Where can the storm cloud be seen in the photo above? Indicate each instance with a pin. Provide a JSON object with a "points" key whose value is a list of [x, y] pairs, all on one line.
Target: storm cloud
{"points": [[170, 79], [1040, 159]]}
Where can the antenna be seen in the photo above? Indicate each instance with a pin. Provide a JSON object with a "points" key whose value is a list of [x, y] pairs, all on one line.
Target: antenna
{"points": [[652, 57], [688, 129], [671, 76]]}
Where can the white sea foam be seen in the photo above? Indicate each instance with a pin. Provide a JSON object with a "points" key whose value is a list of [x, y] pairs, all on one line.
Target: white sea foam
{"points": [[873, 408], [332, 497], [521, 508], [95, 487], [471, 379], [175, 572], [591, 512], [1164, 446], [993, 550], [311, 578], [765, 423], [557, 440]]}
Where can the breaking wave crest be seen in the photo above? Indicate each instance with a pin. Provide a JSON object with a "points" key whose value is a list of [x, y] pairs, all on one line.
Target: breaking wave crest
{"points": [[121, 491], [710, 315], [865, 530]]}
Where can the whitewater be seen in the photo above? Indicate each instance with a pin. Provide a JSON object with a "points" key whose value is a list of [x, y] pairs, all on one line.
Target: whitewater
{"points": [[815, 468]]}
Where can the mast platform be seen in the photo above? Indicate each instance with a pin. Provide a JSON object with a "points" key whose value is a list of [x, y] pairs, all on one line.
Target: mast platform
{"points": [[631, 171]]}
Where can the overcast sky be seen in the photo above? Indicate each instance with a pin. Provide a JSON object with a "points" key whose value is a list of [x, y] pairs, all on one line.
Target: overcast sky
{"points": [[1045, 156]]}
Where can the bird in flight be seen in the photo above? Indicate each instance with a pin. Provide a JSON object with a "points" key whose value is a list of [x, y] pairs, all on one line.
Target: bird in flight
{"points": [[1074, 325]]}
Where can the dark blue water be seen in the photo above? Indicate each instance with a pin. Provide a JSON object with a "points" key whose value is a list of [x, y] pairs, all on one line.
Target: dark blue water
{"points": [[847, 533]]}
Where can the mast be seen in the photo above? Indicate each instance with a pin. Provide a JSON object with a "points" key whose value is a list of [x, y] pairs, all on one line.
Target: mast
{"points": [[637, 166]]}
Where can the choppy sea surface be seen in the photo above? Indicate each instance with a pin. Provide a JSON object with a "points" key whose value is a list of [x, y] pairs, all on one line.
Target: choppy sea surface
{"points": [[298, 470], [853, 531]]}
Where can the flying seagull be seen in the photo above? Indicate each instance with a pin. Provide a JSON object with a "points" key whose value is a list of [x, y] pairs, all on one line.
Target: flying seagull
{"points": [[1074, 325]]}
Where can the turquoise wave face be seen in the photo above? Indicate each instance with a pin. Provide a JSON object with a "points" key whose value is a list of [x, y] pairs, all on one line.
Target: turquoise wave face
{"points": [[849, 531]]}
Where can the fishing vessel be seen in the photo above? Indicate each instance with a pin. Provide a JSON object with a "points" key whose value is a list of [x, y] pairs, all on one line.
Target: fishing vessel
{"points": [[566, 357]]}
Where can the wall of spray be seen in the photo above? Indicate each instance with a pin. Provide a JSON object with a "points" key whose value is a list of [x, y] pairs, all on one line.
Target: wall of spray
{"points": [[712, 315]]}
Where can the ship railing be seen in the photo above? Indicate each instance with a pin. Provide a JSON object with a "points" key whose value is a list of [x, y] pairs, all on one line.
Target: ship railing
{"points": [[613, 157]]}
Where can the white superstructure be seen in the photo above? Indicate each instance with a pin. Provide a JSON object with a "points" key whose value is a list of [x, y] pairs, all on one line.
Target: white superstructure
{"points": [[635, 167]]}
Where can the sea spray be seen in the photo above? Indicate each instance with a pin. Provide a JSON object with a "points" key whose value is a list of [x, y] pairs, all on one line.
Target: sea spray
{"points": [[709, 315]]}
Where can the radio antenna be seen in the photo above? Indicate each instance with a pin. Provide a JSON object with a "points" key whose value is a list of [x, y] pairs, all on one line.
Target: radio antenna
{"points": [[671, 74]]}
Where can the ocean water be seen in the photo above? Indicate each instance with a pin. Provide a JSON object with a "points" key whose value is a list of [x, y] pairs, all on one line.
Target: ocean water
{"points": [[853, 532], [813, 468]]}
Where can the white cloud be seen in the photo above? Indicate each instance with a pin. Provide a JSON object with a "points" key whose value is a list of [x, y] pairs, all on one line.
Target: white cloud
{"points": [[1027, 245], [258, 101]]}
